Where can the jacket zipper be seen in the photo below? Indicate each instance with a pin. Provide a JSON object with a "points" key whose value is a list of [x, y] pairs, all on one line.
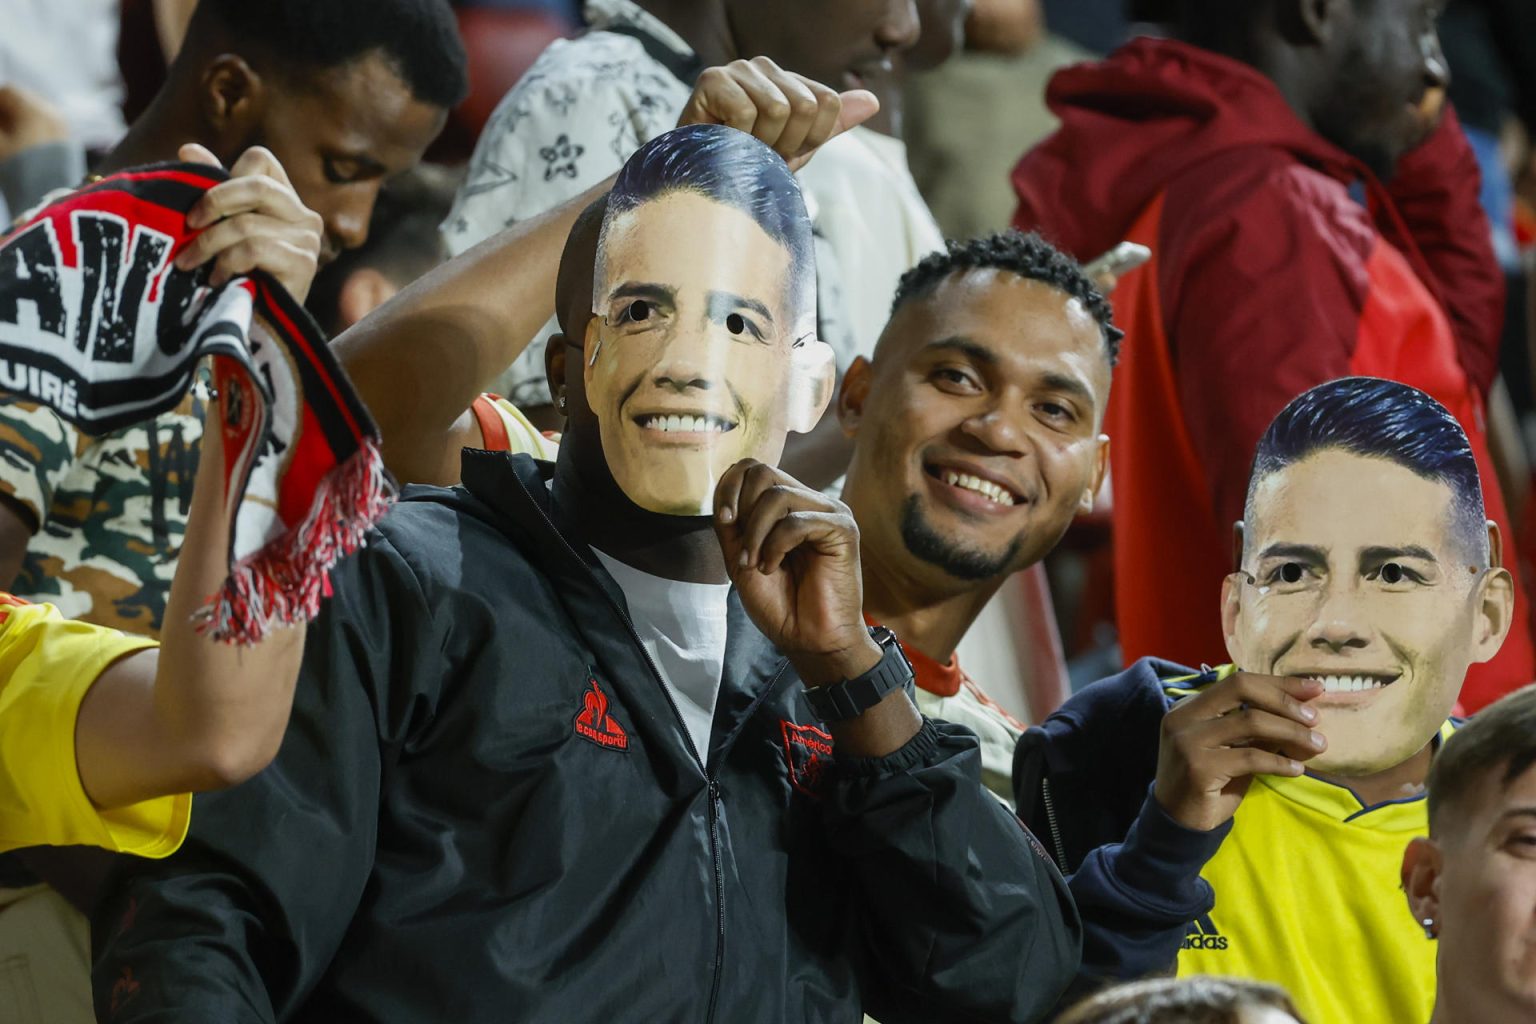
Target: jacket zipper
{"points": [[713, 783], [714, 846], [1050, 819]]}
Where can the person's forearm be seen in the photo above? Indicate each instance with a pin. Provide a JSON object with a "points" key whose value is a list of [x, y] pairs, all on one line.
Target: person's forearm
{"points": [[204, 714], [420, 359]]}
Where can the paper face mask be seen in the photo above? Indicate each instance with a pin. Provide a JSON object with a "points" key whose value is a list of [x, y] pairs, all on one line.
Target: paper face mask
{"points": [[702, 350], [1362, 570]]}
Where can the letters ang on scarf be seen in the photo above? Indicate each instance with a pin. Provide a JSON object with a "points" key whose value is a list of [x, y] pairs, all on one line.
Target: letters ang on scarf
{"points": [[98, 324]]}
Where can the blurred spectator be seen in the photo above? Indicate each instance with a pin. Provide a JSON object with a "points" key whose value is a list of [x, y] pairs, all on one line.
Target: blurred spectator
{"points": [[1198, 1000], [1490, 46], [970, 118], [590, 102], [37, 154], [1097, 26], [403, 243], [1240, 155], [66, 51], [62, 55], [1472, 883]]}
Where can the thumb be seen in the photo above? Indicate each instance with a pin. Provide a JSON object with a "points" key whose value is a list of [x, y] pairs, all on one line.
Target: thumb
{"points": [[859, 105], [193, 153], [855, 107]]}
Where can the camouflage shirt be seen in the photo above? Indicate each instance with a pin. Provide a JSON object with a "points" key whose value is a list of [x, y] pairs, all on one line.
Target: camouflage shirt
{"points": [[111, 509]]}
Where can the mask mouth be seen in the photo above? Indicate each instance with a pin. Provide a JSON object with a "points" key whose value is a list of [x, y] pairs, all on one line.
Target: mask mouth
{"points": [[695, 423], [973, 481], [1350, 682]]}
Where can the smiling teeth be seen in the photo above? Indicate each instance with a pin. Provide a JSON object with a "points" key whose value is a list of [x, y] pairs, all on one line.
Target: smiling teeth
{"points": [[686, 424], [986, 488], [1348, 684]]}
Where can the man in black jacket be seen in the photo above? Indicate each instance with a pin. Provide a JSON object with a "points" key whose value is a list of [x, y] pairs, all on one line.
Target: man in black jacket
{"points": [[490, 806]]}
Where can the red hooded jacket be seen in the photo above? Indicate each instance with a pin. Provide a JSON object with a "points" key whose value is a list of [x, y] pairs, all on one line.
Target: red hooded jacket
{"points": [[1268, 278]]}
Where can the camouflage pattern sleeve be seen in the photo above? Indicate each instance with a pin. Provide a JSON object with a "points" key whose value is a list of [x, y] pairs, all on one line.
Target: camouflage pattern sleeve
{"points": [[37, 450]]}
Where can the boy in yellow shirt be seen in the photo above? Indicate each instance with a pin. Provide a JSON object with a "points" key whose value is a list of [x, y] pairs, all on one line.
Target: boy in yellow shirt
{"points": [[1369, 580], [104, 736]]}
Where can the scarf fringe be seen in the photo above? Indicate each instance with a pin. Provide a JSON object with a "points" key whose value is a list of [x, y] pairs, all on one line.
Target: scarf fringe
{"points": [[284, 582]]}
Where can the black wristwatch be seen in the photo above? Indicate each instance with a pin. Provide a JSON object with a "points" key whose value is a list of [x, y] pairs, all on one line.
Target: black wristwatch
{"points": [[852, 697]]}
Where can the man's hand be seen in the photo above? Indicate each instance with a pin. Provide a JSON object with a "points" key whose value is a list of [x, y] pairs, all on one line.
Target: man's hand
{"points": [[255, 220], [27, 120], [789, 112], [1215, 742], [793, 554]]}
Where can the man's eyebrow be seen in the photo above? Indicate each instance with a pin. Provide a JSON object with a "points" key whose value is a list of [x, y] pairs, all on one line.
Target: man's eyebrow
{"points": [[722, 304], [1386, 553], [1296, 552], [1054, 381], [965, 346], [643, 290]]}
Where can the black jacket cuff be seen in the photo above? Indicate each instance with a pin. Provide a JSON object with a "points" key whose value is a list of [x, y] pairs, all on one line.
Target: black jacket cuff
{"points": [[916, 752]]}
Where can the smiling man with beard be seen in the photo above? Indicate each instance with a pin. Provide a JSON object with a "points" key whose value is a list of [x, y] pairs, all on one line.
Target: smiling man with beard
{"points": [[976, 431], [1369, 582]]}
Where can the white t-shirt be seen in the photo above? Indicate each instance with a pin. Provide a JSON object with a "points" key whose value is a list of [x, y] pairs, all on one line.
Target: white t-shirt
{"points": [[682, 626]]}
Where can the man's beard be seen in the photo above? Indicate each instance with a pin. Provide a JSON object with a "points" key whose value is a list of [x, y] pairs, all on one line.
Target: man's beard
{"points": [[934, 548]]}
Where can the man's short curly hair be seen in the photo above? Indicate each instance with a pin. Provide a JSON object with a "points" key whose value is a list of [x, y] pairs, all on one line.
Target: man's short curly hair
{"points": [[419, 39], [1027, 255]]}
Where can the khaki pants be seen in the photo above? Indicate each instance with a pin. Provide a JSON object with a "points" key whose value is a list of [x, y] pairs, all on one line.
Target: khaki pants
{"points": [[45, 959]]}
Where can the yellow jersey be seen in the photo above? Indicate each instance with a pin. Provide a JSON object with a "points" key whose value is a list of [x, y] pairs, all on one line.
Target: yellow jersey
{"points": [[1308, 897], [47, 663]]}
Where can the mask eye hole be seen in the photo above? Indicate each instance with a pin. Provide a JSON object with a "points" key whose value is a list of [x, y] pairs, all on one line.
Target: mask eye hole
{"points": [[1290, 572], [736, 324], [1392, 573], [638, 311]]}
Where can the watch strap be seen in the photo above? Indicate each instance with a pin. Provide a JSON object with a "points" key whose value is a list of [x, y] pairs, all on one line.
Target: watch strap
{"points": [[852, 697]]}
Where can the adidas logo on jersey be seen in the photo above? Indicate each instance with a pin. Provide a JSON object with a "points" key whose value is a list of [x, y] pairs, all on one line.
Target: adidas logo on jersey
{"points": [[1202, 934]]}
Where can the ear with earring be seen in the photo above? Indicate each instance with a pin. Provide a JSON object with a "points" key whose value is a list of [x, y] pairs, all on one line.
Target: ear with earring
{"points": [[560, 399], [1429, 928]]}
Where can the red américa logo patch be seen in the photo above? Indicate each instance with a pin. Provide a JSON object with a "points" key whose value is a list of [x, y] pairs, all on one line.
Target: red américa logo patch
{"points": [[808, 756]]}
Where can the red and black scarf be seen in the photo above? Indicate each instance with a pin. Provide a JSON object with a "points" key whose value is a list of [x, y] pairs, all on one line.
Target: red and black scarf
{"points": [[98, 324]]}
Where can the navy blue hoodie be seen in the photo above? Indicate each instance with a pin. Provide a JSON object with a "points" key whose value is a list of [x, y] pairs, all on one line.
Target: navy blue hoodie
{"points": [[1082, 781]]}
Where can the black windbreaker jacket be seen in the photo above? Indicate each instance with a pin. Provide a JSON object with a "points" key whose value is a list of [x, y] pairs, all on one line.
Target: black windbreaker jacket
{"points": [[486, 809]]}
